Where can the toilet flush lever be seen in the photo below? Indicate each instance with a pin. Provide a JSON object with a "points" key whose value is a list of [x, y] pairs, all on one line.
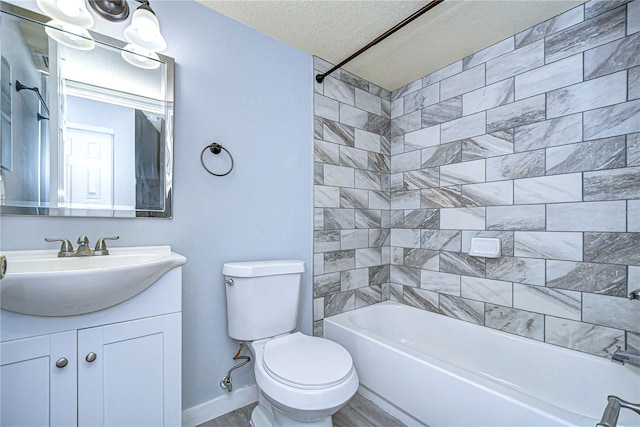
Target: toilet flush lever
{"points": [[228, 282]]}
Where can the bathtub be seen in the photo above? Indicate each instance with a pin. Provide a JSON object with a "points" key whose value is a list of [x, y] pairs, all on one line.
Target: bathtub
{"points": [[429, 369]]}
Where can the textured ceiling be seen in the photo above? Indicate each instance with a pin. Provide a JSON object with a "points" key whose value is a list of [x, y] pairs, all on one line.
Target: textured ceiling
{"points": [[335, 29]]}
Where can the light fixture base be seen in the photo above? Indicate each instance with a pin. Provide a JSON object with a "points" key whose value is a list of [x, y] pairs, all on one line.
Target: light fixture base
{"points": [[111, 10]]}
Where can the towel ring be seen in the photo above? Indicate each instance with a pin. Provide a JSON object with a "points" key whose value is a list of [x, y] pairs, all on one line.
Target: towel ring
{"points": [[215, 148]]}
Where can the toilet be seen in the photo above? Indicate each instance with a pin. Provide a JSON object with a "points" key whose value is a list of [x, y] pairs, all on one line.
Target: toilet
{"points": [[302, 380]]}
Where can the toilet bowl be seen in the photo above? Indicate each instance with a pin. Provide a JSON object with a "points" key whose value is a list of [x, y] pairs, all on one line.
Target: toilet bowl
{"points": [[302, 380]]}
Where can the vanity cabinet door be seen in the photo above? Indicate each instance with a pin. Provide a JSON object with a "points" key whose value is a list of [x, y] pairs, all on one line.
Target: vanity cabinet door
{"points": [[129, 373], [38, 381]]}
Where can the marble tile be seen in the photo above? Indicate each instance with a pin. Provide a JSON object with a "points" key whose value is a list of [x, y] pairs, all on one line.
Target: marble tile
{"points": [[462, 308], [519, 113], [318, 264], [379, 274], [587, 216], [379, 162], [441, 240], [367, 140], [424, 97], [406, 89], [353, 116], [353, 157], [423, 178], [513, 321], [548, 189], [421, 298], [463, 82], [326, 284], [615, 120], [367, 180], [339, 303], [484, 55], [585, 337], [405, 199], [379, 237], [553, 302], [397, 108], [613, 184], [353, 80], [612, 248], [521, 217], [339, 90], [506, 237], [318, 218], [321, 65], [513, 166], [544, 29], [486, 290], [338, 133], [620, 313], [633, 149], [317, 127], [601, 92], [338, 176], [368, 218], [325, 196], [462, 173], [487, 97], [464, 127], [586, 35], [405, 276], [443, 154], [441, 112], [405, 238], [406, 123], [379, 200], [368, 257], [462, 218], [563, 130], [405, 161], [339, 261], [606, 153], [606, 279], [421, 258], [558, 74], [326, 152], [520, 60], [488, 194], [634, 83], [318, 310], [549, 245], [443, 283], [422, 218], [368, 102], [353, 239], [426, 137], [488, 145], [441, 197], [633, 17], [461, 263], [368, 296], [530, 271], [377, 124], [594, 8], [611, 57], [633, 342], [633, 216], [354, 279], [396, 292], [326, 107], [326, 240], [443, 73]]}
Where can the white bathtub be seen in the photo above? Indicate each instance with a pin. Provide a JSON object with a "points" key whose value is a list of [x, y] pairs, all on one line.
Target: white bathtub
{"points": [[433, 370]]}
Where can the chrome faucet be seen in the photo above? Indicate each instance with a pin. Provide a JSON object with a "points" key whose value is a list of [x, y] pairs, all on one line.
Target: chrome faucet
{"points": [[66, 250], [612, 411], [620, 356], [83, 249]]}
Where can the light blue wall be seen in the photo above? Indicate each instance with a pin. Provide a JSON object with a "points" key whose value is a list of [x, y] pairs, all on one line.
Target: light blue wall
{"points": [[253, 94]]}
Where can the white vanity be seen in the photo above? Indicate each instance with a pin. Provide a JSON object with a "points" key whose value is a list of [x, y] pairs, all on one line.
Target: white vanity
{"points": [[119, 365]]}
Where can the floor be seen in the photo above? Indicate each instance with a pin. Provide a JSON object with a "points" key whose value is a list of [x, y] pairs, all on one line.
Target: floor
{"points": [[359, 412]]}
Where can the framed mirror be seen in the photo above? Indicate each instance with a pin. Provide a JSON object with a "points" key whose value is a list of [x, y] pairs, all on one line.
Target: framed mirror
{"points": [[86, 125]]}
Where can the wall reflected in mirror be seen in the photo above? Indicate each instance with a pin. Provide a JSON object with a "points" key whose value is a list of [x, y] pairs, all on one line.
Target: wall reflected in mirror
{"points": [[86, 128]]}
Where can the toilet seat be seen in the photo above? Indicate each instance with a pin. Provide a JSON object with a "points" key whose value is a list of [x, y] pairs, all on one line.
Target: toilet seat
{"points": [[306, 362]]}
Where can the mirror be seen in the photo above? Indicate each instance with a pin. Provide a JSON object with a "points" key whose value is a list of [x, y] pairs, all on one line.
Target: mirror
{"points": [[84, 130]]}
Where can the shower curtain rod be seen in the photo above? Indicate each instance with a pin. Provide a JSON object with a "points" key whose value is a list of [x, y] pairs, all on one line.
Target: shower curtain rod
{"points": [[418, 13]]}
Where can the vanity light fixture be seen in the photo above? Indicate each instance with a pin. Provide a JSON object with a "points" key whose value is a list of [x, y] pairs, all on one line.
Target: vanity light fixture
{"points": [[144, 30], [139, 57], [69, 24], [70, 35]]}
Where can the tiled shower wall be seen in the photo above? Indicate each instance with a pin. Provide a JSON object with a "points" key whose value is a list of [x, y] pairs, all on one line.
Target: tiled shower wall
{"points": [[535, 140]]}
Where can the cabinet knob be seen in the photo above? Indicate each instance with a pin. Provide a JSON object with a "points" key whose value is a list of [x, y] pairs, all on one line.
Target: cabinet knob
{"points": [[62, 362], [91, 357]]}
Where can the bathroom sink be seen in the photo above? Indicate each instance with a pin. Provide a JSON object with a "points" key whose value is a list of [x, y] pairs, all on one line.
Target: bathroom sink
{"points": [[41, 284]]}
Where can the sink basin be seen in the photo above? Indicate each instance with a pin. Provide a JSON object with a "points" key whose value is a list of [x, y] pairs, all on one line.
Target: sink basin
{"points": [[41, 284]]}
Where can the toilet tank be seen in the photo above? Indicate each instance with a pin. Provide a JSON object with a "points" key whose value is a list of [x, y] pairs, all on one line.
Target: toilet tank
{"points": [[263, 297]]}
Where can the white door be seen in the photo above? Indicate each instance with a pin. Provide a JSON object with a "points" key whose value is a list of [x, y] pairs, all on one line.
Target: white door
{"points": [[38, 377], [129, 373], [89, 167]]}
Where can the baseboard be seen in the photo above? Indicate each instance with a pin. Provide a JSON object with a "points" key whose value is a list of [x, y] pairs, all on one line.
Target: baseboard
{"points": [[221, 405]]}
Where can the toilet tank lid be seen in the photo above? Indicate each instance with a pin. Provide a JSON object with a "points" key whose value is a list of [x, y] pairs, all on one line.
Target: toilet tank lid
{"points": [[262, 268]]}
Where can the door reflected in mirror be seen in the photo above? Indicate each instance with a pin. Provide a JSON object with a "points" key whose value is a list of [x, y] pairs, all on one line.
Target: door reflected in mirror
{"points": [[90, 131]]}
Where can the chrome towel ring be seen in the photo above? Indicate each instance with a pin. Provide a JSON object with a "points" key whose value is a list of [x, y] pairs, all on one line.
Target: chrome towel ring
{"points": [[215, 148]]}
